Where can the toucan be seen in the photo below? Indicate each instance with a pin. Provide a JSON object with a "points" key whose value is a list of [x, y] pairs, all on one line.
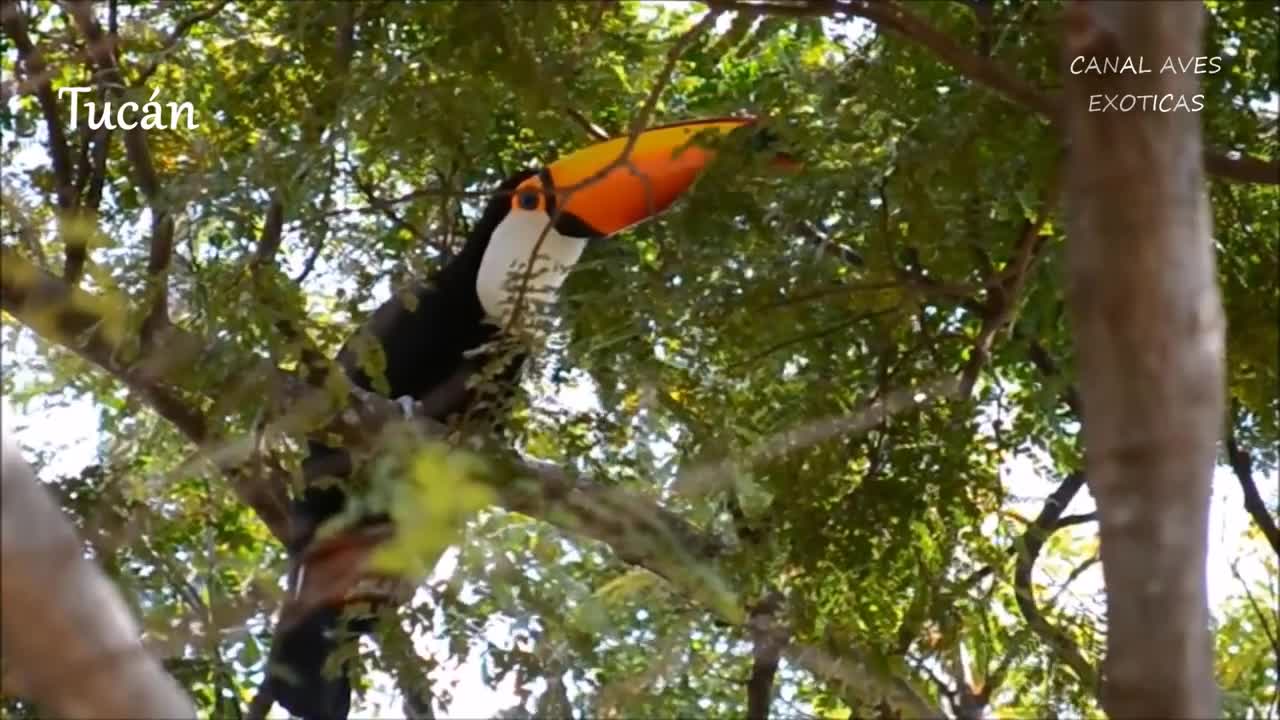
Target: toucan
{"points": [[432, 344]]}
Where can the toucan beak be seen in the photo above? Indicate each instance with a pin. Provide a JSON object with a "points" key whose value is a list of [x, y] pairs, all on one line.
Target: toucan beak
{"points": [[661, 166]]}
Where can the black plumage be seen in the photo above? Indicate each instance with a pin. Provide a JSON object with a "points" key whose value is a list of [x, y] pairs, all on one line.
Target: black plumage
{"points": [[430, 347]]}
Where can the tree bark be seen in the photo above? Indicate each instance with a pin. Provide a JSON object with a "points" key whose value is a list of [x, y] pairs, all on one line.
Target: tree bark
{"points": [[70, 643], [1149, 332]]}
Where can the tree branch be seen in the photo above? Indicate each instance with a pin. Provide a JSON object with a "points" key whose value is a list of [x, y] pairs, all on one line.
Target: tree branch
{"points": [[74, 236], [388, 211], [767, 643], [1004, 292], [322, 110], [70, 642], [180, 31], [102, 51], [973, 66], [983, 71], [1242, 465], [594, 131], [91, 327], [638, 530], [1029, 550], [38, 74], [269, 242]]}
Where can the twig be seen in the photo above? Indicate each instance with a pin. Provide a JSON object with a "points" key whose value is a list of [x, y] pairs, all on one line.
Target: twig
{"points": [[385, 208], [309, 264], [179, 32], [1075, 574], [419, 193], [314, 123], [1262, 617], [593, 130], [814, 335], [854, 674], [318, 241]]}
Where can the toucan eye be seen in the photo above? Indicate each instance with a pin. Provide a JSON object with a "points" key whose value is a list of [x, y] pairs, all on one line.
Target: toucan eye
{"points": [[528, 200]]}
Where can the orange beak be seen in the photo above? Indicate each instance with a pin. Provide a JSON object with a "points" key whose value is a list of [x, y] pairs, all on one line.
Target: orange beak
{"points": [[610, 194]]}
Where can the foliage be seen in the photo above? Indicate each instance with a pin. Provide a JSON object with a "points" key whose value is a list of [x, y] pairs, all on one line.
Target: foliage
{"points": [[759, 304]]}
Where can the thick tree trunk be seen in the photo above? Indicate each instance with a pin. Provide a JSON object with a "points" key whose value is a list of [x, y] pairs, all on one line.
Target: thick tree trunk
{"points": [[1149, 332], [70, 642]]}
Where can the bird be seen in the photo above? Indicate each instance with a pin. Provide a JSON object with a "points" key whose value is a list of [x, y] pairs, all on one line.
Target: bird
{"points": [[453, 328]]}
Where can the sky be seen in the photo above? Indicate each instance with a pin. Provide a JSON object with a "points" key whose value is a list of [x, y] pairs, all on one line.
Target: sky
{"points": [[70, 432]]}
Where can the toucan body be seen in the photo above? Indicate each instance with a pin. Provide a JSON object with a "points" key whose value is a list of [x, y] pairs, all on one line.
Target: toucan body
{"points": [[453, 328]]}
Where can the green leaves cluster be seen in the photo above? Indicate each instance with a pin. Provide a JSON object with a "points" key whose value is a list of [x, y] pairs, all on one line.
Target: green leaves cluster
{"points": [[760, 303]]}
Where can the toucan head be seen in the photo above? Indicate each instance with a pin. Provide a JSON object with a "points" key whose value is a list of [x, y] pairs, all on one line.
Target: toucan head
{"points": [[592, 193]]}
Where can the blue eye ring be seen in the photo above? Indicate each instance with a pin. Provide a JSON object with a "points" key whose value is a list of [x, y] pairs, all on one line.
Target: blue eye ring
{"points": [[528, 199]]}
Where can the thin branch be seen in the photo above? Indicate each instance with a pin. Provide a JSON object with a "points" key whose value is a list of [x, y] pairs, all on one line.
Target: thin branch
{"points": [[386, 208], [98, 170], [1032, 542], [1242, 465], [813, 335], [101, 50], [179, 32], [767, 643], [1069, 520], [320, 237], [853, 673], [973, 66], [445, 192], [1234, 167], [638, 123], [321, 113], [37, 72], [309, 264], [1075, 574], [264, 254], [1004, 293], [594, 131], [1272, 639], [711, 477]]}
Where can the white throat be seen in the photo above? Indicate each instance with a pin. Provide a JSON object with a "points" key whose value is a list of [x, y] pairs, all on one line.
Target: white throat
{"points": [[505, 280]]}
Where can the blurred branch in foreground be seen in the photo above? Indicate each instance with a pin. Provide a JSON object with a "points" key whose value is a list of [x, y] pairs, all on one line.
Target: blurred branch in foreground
{"points": [[70, 643]]}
